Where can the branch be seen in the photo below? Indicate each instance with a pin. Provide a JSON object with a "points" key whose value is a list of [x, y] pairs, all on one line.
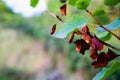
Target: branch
{"points": [[56, 16], [113, 47], [110, 45], [101, 24]]}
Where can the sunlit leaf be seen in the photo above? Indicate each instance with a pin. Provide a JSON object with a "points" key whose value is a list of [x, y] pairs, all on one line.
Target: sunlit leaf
{"points": [[73, 23], [33, 3], [107, 71], [112, 26]]}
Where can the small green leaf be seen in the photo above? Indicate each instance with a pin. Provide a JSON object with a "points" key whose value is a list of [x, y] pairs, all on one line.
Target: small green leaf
{"points": [[111, 2], [33, 3], [107, 71], [72, 2], [99, 12], [73, 23], [112, 26], [104, 19], [82, 4], [103, 35]]}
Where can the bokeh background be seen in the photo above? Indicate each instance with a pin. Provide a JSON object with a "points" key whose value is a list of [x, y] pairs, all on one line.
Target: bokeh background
{"points": [[29, 52]]}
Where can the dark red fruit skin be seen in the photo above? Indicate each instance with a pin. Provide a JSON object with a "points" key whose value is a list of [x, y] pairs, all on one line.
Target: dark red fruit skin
{"points": [[63, 9], [53, 29], [81, 46], [101, 61]]}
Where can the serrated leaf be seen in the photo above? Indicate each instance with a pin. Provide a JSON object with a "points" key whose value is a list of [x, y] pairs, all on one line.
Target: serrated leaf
{"points": [[73, 23], [107, 71], [33, 3], [103, 35], [112, 26]]}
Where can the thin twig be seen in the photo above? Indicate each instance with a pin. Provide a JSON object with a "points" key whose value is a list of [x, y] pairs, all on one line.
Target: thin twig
{"points": [[110, 45], [106, 44], [101, 24], [56, 16]]}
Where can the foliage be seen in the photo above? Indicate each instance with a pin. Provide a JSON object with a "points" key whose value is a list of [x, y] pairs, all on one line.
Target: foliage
{"points": [[99, 12], [111, 2], [72, 2], [69, 26], [107, 36], [13, 74], [101, 15], [33, 3], [107, 71], [82, 4], [72, 24], [53, 5], [76, 23], [112, 26]]}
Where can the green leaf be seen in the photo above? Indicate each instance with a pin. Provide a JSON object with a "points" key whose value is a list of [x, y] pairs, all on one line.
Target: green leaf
{"points": [[99, 12], [112, 26], [104, 19], [104, 36], [33, 3], [107, 71], [82, 4], [111, 2], [54, 6], [72, 2], [73, 23]]}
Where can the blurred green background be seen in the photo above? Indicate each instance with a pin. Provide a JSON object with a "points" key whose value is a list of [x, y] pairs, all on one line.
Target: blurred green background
{"points": [[29, 52]]}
